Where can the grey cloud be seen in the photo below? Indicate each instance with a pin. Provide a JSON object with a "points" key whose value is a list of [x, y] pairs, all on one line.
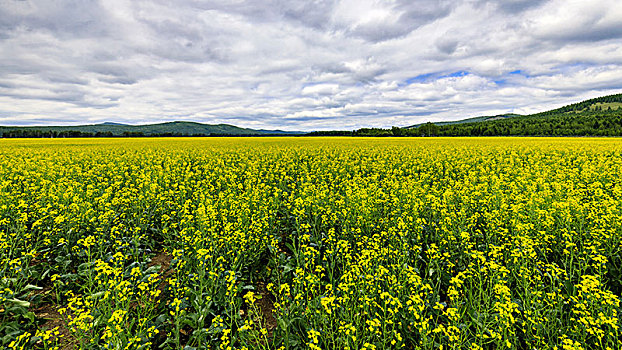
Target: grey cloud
{"points": [[115, 70], [377, 32], [307, 119], [65, 18], [333, 67], [568, 22], [71, 97], [60, 78], [119, 80], [595, 33], [515, 6], [315, 14], [447, 45], [407, 15], [179, 39]]}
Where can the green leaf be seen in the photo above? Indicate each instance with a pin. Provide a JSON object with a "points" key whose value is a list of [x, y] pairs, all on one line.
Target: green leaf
{"points": [[30, 316], [98, 294], [153, 269], [161, 319], [7, 281], [18, 302], [30, 286]]}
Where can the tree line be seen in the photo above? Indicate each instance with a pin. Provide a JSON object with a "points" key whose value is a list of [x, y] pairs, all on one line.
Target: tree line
{"points": [[35, 133], [596, 122]]}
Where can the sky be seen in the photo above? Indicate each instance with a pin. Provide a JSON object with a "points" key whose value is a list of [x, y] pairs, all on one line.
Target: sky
{"points": [[302, 65]]}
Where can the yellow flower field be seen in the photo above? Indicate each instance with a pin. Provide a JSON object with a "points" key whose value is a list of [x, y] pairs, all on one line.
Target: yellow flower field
{"points": [[311, 243]]}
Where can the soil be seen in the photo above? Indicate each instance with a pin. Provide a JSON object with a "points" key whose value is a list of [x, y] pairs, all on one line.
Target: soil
{"points": [[164, 260], [53, 319], [266, 306]]}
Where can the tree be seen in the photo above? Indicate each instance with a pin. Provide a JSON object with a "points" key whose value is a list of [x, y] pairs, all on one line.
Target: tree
{"points": [[428, 129]]}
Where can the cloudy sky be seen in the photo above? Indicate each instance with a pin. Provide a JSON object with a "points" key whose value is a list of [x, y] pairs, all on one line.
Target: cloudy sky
{"points": [[302, 65]]}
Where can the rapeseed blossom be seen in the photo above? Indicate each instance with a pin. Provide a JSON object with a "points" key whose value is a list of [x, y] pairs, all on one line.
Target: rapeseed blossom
{"points": [[360, 243]]}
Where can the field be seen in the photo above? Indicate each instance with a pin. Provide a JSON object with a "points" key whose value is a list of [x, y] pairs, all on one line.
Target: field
{"points": [[605, 105], [311, 243]]}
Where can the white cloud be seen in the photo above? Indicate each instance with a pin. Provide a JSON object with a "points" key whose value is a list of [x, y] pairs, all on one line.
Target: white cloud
{"points": [[302, 65], [575, 20], [320, 89]]}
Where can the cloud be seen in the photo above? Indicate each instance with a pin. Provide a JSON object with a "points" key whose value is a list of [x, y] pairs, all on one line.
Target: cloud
{"points": [[515, 6], [301, 65], [320, 89], [378, 21], [583, 21]]}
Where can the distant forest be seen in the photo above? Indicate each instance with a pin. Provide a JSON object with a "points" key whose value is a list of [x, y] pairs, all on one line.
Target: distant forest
{"points": [[597, 117], [29, 133]]}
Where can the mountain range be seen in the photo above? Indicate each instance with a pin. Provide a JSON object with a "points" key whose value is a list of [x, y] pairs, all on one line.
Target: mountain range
{"points": [[177, 128]]}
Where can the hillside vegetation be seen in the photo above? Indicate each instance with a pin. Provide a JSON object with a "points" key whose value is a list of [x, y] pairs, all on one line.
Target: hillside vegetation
{"points": [[114, 129], [596, 117]]}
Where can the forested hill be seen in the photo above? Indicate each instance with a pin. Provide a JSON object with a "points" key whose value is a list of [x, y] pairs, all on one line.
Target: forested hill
{"points": [[116, 129], [599, 104], [596, 117]]}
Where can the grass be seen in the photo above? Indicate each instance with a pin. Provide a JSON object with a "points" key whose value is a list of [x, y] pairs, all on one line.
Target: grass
{"points": [[605, 105]]}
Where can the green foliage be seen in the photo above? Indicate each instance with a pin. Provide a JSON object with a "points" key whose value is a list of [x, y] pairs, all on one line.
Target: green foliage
{"points": [[567, 124], [587, 118], [116, 130]]}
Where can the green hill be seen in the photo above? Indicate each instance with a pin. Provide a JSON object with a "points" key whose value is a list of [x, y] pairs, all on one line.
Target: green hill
{"points": [[600, 116], [470, 120], [599, 104], [117, 129]]}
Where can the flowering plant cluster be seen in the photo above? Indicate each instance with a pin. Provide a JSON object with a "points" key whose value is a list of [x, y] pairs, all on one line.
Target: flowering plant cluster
{"points": [[311, 243]]}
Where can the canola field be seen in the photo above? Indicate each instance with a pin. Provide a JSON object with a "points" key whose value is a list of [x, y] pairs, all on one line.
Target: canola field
{"points": [[311, 243]]}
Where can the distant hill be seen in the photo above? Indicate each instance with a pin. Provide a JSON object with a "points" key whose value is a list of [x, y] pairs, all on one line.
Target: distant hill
{"points": [[599, 104], [117, 129], [600, 116], [471, 120], [112, 123]]}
